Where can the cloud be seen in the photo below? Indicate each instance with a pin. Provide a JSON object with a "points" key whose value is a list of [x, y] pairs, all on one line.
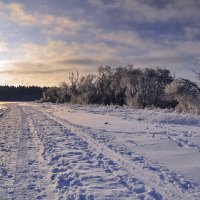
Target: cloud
{"points": [[149, 52], [31, 69], [192, 32], [79, 61], [17, 13], [57, 57], [127, 48], [151, 11], [40, 69], [53, 25], [3, 46], [145, 33], [129, 38], [60, 25], [57, 50]]}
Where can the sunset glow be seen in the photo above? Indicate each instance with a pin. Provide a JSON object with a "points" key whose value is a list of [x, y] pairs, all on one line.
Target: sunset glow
{"points": [[42, 41]]}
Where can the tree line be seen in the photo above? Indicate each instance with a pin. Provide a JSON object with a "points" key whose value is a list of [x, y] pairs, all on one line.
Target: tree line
{"points": [[134, 87], [21, 93]]}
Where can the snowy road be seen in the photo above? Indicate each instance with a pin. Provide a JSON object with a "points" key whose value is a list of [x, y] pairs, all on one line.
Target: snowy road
{"points": [[44, 155]]}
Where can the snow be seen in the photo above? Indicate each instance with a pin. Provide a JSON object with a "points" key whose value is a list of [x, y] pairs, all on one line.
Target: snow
{"points": [[3, 109], [50, 151]]}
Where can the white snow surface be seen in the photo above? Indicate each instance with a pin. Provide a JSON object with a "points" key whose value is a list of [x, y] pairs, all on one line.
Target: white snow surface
{"points": [[74, 152], [3, 109]]}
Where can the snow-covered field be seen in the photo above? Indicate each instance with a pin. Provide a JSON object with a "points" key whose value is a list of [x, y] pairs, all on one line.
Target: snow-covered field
{"points": [[73, 152]]}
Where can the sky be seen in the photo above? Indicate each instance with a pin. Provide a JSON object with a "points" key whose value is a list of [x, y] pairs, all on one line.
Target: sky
{"points": [[41, 42]]}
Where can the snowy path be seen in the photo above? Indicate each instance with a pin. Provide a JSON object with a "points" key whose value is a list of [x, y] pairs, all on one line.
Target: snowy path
{"points": [[46, 157], [30, 180], [9, 129], [22, 168]]}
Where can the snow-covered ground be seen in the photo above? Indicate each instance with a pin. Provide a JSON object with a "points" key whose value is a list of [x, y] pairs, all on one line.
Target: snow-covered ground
{"points": [[3, 109], [50, 151]]}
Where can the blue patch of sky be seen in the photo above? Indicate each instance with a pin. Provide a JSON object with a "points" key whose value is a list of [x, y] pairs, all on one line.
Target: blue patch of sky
{"points": [[33, 35], [157, 30], [11, 34], [15, 35]]}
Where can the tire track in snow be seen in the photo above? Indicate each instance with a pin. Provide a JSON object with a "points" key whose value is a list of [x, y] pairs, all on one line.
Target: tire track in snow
{"points": [[30, 175], [80, 172], [9, 129], [156, 184]]}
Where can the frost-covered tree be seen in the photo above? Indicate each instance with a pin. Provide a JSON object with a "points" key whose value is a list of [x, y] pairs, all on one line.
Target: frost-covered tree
{"points": [[118, 86], [103, 83], [163, 78], [73, 92], [51, 95], [133, 80], [145, 88], [197, 73], [86, 90], [186, 93], [64, 93]]}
